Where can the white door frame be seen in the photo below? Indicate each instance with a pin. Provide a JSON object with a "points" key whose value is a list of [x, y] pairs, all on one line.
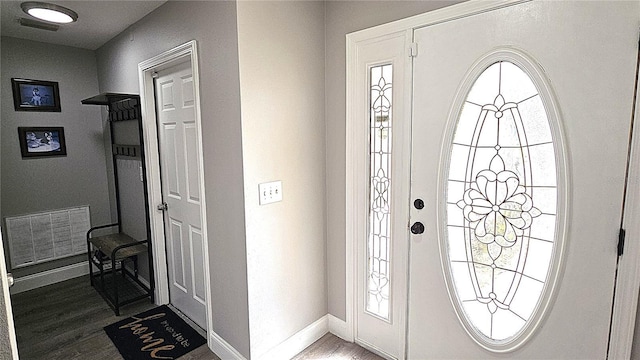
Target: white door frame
{"points": [[628, 281], [185, 52], [4, 282], [358, 138]]}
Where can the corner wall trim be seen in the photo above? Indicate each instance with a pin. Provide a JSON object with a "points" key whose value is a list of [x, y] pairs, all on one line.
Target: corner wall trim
{"points": [[299, 341], [339, 328], [222, 348], [33, 281]]}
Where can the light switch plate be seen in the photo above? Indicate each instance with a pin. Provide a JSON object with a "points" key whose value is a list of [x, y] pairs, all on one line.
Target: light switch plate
{"points": [[270, 192]]}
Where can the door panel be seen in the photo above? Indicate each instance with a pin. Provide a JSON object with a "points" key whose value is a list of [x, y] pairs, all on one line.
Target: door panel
{"points": [[591, 72], [181, 190], [197, 251], [191, 141], [177, 257], [381, 251]]}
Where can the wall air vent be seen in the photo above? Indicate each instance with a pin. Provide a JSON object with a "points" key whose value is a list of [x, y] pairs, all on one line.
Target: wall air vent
{"points": [[38, 24]]}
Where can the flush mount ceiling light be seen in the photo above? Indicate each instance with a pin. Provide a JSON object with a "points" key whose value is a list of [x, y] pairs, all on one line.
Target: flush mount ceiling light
{"points": [[49, 12]]}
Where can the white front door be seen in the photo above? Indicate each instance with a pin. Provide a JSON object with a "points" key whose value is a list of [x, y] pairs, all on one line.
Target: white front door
{"points": [[520, 132], [179, 158], [382, 172]]}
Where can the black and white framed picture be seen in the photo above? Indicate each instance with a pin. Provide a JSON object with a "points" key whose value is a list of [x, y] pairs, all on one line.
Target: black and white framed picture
{"points": [[35, 95], [42, 141]]}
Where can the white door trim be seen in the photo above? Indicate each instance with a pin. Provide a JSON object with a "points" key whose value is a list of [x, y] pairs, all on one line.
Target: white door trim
{"points": [[358, 139], [150, 132], [13, 344], [628, 282], [445, 14]]}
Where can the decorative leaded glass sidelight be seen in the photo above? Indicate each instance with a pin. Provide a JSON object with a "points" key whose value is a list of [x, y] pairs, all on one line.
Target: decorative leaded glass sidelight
{"points": [[379, 238], [501, 207]]}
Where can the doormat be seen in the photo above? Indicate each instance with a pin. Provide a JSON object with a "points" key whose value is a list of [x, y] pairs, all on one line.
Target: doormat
{"points": [[154, 334]]}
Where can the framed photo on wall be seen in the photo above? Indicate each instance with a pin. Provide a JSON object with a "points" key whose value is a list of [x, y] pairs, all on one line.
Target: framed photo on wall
{"points": [[42, 141], [35, 95]]}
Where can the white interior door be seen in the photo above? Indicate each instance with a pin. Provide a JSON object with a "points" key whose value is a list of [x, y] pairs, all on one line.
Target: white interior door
{"points": [[179, 157], [382, 172], [523, 195]]}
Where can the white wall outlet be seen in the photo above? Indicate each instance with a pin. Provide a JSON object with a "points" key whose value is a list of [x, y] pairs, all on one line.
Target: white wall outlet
{"points": [[270, 192]]}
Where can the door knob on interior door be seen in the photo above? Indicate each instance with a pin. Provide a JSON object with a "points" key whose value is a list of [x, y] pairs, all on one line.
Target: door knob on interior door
{"points": [[417, 228], [10, 279], [162, 207]]}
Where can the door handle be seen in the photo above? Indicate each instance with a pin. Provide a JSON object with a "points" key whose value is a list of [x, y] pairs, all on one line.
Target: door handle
{"points": [[10, 279], [417, 228], [162, 207]]}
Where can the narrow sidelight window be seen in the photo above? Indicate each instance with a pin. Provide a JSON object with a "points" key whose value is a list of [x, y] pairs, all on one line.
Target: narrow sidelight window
{"points": [[379, 239]]}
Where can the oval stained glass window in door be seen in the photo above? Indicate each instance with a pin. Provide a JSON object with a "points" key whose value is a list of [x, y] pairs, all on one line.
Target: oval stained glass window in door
{"points": [[501, 205]]}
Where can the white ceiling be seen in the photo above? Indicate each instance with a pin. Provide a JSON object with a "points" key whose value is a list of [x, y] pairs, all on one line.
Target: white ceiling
{"points": [[98, 21]]}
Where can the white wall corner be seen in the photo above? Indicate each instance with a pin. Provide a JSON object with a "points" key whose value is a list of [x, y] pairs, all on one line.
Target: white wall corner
{"points": [[339, 328], [222, 348], [30, 282], [299, 341]]}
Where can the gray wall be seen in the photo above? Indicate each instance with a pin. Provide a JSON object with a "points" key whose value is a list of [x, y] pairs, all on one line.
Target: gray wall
{"points": [[213, 25], [341, 18], [132, 204], [281, 46], [42, 184]]}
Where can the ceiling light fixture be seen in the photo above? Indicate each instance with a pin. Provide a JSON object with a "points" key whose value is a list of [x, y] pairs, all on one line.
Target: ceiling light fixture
{"points": [[49, 12]]}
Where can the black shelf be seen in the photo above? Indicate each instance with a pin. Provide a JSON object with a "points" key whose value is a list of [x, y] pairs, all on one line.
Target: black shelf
{"points": [[106, 98], [129, 289]]}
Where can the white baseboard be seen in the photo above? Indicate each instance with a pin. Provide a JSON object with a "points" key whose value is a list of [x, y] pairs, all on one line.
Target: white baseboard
{"points": [[223, 349], [290, 347], [339, 328], [33, 281], [299, 341]]}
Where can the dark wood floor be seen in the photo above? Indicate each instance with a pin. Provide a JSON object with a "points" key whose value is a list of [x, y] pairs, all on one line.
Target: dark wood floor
{"points": [[64, 321]]}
